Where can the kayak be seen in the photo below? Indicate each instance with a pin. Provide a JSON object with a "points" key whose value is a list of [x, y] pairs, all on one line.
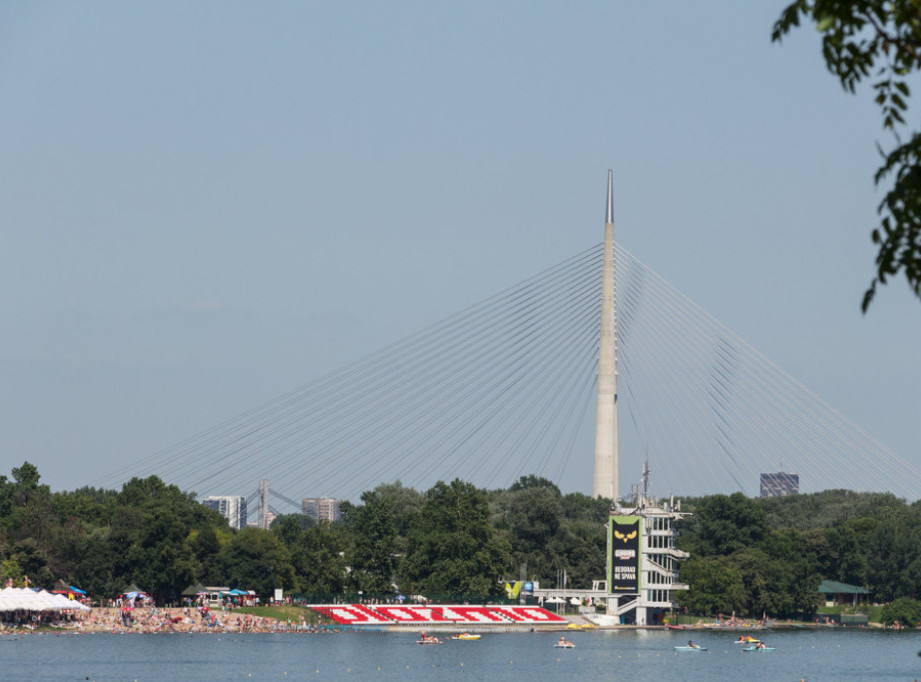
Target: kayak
{"points": [[691, 648], [747, 640], [566, 645], [465, 636], [428, 640], [755, 648]]}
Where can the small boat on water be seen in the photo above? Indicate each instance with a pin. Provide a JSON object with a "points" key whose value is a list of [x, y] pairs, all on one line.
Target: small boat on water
{"points": [[746, 639], [755, 647], [694, 648], [429, 640], [465, 635], [564, 644]]}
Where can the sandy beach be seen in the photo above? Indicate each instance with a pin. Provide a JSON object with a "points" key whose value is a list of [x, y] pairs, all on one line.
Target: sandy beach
{"points": [[153, 620]]}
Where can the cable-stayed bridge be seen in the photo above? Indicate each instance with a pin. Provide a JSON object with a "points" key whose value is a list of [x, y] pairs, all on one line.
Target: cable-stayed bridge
{"points": [[506, 388]]}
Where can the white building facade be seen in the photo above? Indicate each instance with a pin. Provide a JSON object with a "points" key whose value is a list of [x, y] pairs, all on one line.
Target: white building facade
{"points": [[643, 561], [321, 508], [232, 507]]}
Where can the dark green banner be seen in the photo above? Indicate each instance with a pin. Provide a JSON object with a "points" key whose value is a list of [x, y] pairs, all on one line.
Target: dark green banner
{"points": [[624, 540]]}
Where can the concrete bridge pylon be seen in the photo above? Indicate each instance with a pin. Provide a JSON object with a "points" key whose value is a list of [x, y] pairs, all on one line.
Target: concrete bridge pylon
{"points": [[606, 466]]}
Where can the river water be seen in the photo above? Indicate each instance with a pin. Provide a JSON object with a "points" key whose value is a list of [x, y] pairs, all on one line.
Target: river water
{"points": [[639, 656]]}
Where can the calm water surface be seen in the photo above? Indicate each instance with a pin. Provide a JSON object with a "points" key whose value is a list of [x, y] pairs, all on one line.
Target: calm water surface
{"points": [[629, 655]]}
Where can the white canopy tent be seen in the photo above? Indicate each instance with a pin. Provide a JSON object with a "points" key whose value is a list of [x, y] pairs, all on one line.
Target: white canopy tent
{"points": [[24, 599]]}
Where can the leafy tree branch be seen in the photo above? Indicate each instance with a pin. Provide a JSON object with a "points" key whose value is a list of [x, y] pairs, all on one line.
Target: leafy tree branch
{"points": [[878, 40]]}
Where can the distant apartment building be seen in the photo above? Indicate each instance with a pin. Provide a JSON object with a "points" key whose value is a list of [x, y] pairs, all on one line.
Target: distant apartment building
{"points": [[232, 507], [321, 508], [779, 484]]}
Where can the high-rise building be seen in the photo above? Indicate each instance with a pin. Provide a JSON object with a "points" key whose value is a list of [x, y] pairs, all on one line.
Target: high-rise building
{"points": [[779, 484], [321, 508], [232, 507]]}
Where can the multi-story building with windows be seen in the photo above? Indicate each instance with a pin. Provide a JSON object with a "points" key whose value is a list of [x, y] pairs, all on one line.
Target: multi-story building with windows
{"points": [[321, 508], [232, 507], [642, 580], [779, 484]]}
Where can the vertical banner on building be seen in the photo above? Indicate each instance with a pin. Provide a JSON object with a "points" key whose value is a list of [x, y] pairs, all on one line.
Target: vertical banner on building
{"points": [[624, 540]]}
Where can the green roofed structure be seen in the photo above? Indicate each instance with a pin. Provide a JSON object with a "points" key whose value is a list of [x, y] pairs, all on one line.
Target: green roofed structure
{"points": [[194, 590], [841, 593]]}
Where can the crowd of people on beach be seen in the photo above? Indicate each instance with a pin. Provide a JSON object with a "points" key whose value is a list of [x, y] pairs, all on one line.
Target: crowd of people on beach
{"points": [[125, 619], [31, 620]]}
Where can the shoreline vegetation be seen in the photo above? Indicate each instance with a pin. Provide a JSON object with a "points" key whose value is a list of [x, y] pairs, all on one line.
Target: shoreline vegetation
{"points": [[455, 543]]}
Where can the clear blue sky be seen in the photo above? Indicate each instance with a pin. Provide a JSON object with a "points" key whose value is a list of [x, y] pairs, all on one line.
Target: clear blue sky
{"points": [[206, 204]]}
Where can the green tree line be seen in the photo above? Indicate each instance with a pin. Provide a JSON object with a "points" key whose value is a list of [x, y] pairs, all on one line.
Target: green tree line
{"points": [[769, 555], [748, 556], [454, 540]]}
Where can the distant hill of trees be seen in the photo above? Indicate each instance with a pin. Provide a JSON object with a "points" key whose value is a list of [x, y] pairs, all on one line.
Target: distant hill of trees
{"points": [[453, 541], [769, 554]]}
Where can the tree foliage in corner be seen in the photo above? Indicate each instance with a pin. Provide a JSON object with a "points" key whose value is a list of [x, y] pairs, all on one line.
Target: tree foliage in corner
{"points": [[879, 40]]}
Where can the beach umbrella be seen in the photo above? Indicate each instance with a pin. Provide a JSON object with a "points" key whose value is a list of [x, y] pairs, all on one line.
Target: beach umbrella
{"points": [[62, 603]]}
